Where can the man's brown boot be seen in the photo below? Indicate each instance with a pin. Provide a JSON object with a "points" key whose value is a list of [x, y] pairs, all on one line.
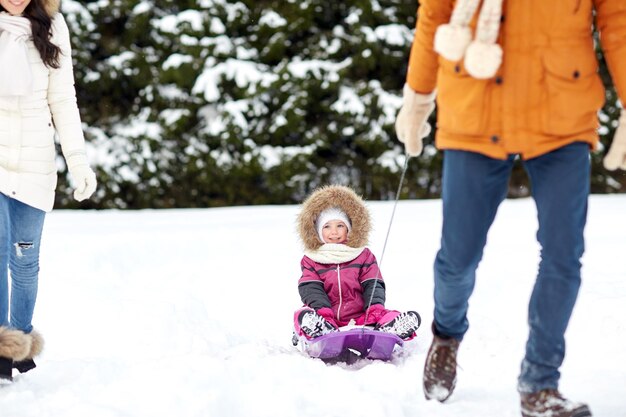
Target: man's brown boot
{"points": [[440, 367], [550, 403]]}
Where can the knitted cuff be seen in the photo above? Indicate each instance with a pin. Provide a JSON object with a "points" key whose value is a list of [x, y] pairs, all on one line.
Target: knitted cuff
{"points": [[412, 99], [76, 158]]}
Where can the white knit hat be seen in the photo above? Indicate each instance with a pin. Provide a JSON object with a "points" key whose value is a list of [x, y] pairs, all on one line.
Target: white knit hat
{"points": [[453, 41], [333, 213]]}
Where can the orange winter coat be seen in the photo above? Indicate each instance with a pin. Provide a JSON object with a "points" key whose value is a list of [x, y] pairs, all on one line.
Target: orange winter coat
{"points": [[547, 92]]}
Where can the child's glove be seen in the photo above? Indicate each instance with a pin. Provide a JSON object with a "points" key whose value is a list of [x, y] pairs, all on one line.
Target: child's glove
{"points": [[83, 177], [374, 313], [616, 157], [412, 121], [328, 315]]}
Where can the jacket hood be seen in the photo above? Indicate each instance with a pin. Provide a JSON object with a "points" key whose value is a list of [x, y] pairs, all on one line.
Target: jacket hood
{"points": [[52, 6], [334, 196]]}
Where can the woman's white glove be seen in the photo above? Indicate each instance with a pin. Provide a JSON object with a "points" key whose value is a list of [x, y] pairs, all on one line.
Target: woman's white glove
{"points": [[84, 182], [82, 175], [412, 121], [616, 157]]}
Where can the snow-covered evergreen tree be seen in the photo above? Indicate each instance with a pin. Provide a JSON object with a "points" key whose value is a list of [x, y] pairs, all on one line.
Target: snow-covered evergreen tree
{"points": [[199, 103]]}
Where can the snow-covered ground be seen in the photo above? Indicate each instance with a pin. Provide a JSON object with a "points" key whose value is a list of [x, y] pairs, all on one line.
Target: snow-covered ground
{"points": [[189, 312]]}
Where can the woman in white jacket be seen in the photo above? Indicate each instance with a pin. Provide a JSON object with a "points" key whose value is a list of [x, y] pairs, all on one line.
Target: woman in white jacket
{"points": [[37, 100]]}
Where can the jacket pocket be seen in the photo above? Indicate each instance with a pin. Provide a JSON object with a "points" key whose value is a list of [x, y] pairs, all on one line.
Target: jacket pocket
{"points": [[573, 91], [463, 101]]}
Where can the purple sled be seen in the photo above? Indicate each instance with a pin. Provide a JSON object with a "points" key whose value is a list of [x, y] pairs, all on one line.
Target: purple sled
{"points": [[370, 344]]}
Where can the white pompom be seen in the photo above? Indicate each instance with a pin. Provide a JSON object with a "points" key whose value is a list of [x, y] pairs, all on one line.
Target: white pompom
{"points": [[451, 41], [482, 60]]}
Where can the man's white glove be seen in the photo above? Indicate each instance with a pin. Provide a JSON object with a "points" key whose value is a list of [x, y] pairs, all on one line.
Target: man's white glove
{"points": [[83, 177], [412, 121], [616, 157]]}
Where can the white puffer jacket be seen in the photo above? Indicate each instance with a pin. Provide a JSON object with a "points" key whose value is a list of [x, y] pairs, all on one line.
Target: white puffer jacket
{"points": [[28, 171]]}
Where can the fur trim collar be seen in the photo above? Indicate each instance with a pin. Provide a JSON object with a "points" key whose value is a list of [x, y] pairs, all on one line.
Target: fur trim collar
{"points": [[334, 196], [334, 253]]}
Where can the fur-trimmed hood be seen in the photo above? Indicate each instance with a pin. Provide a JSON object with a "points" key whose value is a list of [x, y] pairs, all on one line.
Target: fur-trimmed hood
{"points": [[52, 6], [334, 196]]}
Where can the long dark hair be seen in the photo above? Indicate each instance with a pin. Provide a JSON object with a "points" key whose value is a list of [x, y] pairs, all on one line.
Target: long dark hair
{"points": [[41, 24]]}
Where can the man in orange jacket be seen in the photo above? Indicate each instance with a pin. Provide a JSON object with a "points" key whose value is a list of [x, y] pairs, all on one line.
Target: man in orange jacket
{"points": [[512, 78]]}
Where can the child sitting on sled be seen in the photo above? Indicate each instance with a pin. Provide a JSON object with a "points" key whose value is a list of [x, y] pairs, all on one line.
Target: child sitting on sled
{"points": [[341, 283]]}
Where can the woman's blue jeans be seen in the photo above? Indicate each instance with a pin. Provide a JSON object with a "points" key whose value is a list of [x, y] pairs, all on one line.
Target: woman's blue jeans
{"points": [[473, 187], [20, 238]]}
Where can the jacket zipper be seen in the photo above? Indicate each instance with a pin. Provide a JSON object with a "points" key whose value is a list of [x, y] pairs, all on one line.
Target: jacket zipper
{"points": [[340, 295]]}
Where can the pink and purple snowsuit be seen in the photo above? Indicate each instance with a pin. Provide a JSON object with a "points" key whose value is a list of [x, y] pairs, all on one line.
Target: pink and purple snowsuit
{"points": [[345, 288]]}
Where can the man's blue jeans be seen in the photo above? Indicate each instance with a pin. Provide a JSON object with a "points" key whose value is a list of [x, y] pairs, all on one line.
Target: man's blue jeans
{"points": [[473, 187], [20, 238]]}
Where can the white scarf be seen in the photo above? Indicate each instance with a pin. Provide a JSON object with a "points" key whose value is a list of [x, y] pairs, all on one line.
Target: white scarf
{"points": [[16, 77], [334, 253]]}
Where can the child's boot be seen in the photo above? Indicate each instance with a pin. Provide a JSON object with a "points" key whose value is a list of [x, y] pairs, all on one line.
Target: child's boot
{"points": [[404, 325], [313, 325]]}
